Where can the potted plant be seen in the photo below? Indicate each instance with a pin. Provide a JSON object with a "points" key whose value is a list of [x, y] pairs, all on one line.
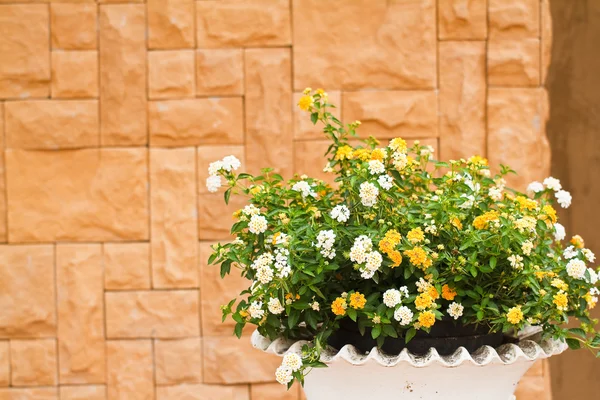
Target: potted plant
{"points": [[403, 262]]}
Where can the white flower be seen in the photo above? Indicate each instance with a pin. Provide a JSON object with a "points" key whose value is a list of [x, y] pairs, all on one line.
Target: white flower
{"points": [[559, 232], [527, 247], [391, 298], [215, 167], [552, 183], [495, 193], [213, 183], [256, 310], [564, 198], [576, 269], [399, 160], [455, 310], [283, 375], [423, 285], [374, 261], [591, 257], [570, 252], [275, 306], [593, 277], [368, 194], [251, 209], [362, 245], [404, 291], [264, 274], [292, 361], [325, 242], [328, 168], [340, 213], [469, 202], [304, 188], [534, 187], [265, 259], [257, 224], [403, 315], [282, 263], [231, 163], [516, 261], [315, 306], [376, 167], [385, 181], [485, 172]]}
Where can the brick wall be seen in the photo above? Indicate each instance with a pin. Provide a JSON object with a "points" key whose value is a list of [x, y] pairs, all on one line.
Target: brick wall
{"points": [[110, 112]]}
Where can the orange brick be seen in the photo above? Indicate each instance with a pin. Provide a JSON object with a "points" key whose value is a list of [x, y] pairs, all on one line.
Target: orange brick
{"points": [[514, 63], [33, 362], [171, 74], [73, 26], [514, 18], [462, 19], [126, 266], [170, 24], [203, 392], [219, 72], [87, 392], [178, 361], [129, 366], [74, 74], [4, 363], [29, 394]]}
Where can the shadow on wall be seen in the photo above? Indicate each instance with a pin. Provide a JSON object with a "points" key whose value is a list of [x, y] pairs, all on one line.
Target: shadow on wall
{"points": [[573, 129]]}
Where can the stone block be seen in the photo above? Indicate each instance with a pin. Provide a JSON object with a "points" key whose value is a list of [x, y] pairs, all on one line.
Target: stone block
{"points": [[392, 114], [28, 300], [4, 363], [203, 392], [130, 370], [174, 222], [77, 195], [215, 217], [219, 72], [546, 39], [170, 24], [273, 391], [74, 26], [178, 361], [24, 51], [395, 47], [126, 266], [309, 159], [514, 63], [243, 23], [192, 122], [3, 226], [87, 392], [152, 314], [51, 124], [462, 20], [80, 313], [123, 75], [29, 394], [171, 74], [33, 362], [74, 74], [514, 19]]}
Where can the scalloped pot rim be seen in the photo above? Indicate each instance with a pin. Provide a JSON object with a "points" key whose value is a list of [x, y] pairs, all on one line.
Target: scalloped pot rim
{"points": [[526, 350]]}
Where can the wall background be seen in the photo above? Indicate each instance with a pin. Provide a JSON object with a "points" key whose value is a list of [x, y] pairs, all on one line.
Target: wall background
{"points": [[110, 112]]}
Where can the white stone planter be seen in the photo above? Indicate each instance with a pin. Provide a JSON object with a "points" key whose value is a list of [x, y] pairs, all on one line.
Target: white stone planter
{"points": [[487, 374]]}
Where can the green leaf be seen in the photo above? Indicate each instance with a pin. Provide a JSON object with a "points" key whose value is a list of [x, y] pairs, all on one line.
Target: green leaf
{"points": [[238, 329], [352, 314], [578, 332], [293, 318], [314, 117], [376, 331], [410, 334], [493, 262], [390, 331], [227, 195], [573, 343]]}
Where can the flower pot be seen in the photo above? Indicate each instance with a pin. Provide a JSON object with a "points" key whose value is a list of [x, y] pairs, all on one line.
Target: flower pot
{"points": [[484, 374]]}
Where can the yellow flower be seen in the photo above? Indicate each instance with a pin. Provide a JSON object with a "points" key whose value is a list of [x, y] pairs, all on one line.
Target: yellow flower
{"points": [[514, 315], [305, 102], [237, 214], [526, 204], [320, 92], [433, 293], [448, 293], [423, 301], [559, 284], [456, 223], [344, 153], [591, 300], [398, 144], [244, 313], [378, 154], [362, 154], [478, 160], [387, 245], [338, 307], [415, 235], [482, 221], [549, 214], [255, 189], [275, 236], [357, 300], [307, 90], [427, 319], [577, 241], [418, 258], [561, 301]]}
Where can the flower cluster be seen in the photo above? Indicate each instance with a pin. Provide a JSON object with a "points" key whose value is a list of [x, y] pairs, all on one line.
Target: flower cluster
{"points": [[398, 242]]}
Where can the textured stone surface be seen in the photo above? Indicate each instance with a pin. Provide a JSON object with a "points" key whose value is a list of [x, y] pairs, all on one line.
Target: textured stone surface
{"points": [[158, 314], [129, 366], [126, 266], [3, 226], [80, 313], [25, 66], [533, 387], [230, 360], [395, 47], [4, 363], [28, 301], [514, 18], [88, 392], [245, 23], [304, 129], [516, 135], [514, 62], [268, 109], [196, 122], [393, 114], [29, 394], [215, 217], [33, 362], [215, 292], [462, 99], [74, 74], [462, 19], [52, 124], [73, 26], [219, 72], [309, 159], [178, 361], [122, 38], [78, 195], [170, 24], [546, 39], [171, 74], [203, 392], [273, 391], [209, 154], [174, 220]]}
